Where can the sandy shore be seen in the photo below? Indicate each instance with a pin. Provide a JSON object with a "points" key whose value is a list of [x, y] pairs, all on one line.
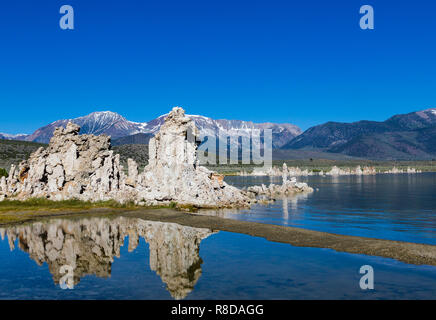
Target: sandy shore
{"points": [[403, 251]]}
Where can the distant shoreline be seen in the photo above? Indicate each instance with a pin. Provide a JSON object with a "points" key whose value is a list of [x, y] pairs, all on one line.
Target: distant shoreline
{"points": [[323, 167]]}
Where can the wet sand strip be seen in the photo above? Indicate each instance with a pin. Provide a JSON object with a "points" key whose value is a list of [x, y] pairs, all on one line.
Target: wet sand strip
{"points": [[407, 252]]}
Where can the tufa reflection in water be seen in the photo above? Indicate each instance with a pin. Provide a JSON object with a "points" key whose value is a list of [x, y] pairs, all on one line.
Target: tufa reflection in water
{"points": [[90, 245]]}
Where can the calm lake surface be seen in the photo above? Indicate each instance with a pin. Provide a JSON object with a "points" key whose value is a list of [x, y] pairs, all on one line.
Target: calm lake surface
{"points": [[390, 206], [130, 258]]}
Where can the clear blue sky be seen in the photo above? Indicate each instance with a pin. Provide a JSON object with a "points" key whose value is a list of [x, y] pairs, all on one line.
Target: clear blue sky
{"points": [[304, 62]]}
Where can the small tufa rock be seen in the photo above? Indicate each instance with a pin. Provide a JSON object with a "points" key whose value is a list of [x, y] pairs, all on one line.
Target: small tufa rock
{"points": [[273, 191]]}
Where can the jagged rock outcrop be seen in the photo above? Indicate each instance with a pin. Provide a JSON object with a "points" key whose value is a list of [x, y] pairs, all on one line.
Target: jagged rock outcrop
{"points": [[83, 167], [174, 174], [274, 191], [73, 166], [89, 246]]}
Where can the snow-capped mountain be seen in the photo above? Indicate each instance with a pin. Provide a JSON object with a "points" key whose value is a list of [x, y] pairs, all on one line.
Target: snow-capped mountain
{"points": [[7, 136], [281, 133], [115, 125], [403, 136], [104, 122]]}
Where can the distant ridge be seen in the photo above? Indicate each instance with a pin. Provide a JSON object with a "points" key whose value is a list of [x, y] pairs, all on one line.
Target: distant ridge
{"points": [[404, 137], [410, 136], [6, 136], [123, 131]]}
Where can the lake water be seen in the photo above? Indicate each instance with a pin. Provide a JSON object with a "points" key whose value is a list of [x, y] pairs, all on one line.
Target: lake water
{"points": [[130, 258], [390, 206]]}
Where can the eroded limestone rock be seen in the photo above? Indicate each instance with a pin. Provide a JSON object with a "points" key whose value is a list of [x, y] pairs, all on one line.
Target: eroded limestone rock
{"points": [[174, 174], [83, 167], [73, 166]]}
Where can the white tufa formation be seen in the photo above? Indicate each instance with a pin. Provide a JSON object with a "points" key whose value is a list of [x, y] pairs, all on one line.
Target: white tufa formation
{"points": [[83, 167], [173, 172], [72, 166]]}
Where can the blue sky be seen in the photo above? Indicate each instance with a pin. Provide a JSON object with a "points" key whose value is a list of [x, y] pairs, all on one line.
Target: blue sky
{"points": [[304, 62]]}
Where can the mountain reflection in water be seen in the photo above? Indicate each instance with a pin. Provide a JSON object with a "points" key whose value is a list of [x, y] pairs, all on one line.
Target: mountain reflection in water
{"points": [[90, 245]]}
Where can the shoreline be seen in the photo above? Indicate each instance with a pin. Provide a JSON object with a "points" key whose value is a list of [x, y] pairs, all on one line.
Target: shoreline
{"points": [[407, 252], [327, 175], [306, 167], [335, 171]]}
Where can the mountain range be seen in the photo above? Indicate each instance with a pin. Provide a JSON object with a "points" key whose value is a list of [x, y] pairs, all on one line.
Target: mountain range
{"points": [[123, 131], [402, 137], [6, 136], [409, 136]]}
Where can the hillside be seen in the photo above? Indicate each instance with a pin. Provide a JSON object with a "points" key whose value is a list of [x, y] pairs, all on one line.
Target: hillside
{"points": [[13, 152], [137, 152], [139, 138], [409, 136]]}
